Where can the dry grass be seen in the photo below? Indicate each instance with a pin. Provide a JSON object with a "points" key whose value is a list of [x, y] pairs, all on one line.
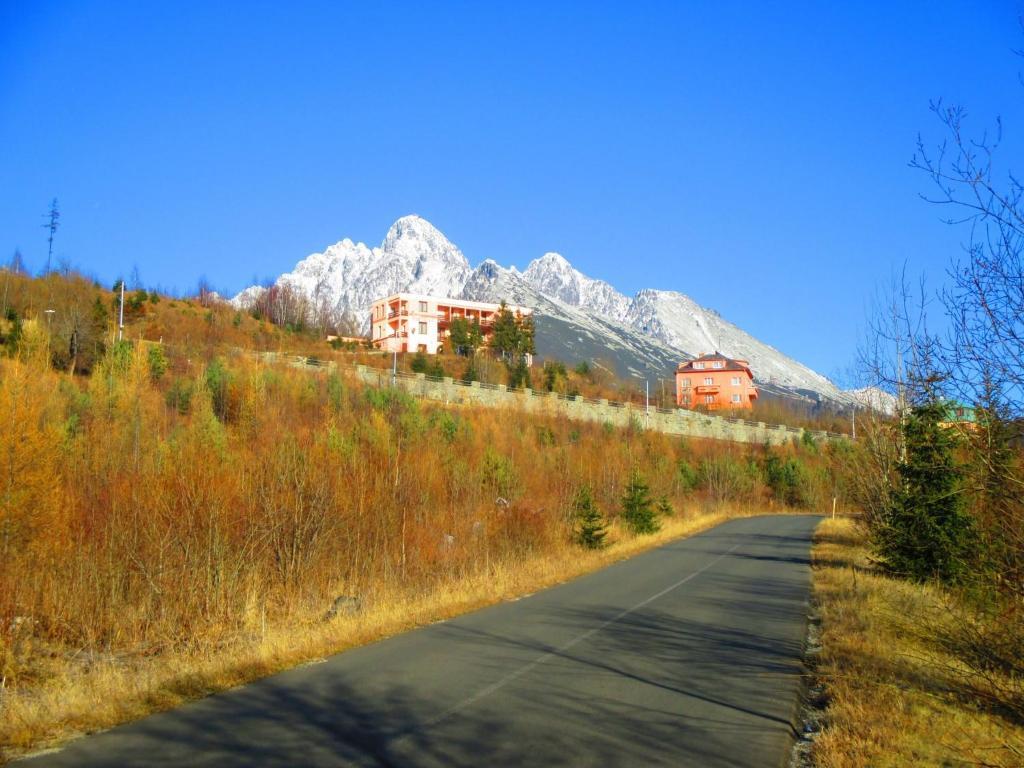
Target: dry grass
{"points": [[89, 697], [896, 697]]}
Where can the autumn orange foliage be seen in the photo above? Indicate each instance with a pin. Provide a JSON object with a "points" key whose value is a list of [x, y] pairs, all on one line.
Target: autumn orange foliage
{"points": [[161, 513]]}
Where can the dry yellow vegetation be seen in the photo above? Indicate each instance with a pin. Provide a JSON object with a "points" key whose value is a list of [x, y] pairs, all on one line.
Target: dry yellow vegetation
{"points": [[896, 694], [85, 698]]}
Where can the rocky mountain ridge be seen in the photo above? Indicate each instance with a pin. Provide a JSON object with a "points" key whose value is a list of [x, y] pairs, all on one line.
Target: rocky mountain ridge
{"points": [[578, 317]]}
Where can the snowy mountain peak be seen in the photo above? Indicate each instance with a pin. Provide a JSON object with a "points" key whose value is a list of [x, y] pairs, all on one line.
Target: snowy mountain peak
{"points": [[552, 260], [416, 239], [552, 274]]}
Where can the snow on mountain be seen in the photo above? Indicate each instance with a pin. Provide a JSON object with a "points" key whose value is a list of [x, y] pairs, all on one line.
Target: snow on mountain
{"points": [[553, 275], [347, 277], [248, 296], [682, 323], [571, 333], [577, 317], [874, 399]]}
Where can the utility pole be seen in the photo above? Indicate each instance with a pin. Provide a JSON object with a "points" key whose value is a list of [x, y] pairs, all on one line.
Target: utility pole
{"points": [[855, 422], [53, 216], [647, 403], [49, 321], [120, 321]]}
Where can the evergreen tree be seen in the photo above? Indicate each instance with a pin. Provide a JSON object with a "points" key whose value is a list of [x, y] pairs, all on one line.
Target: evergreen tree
{"points": [[435, 369], [637, 508], [14, 332], [512, 338], [419, 363], [527, 335], [926, 533], [665, 507], [588, 523], [505, 333], [465, 337], [553, 371], [519, 374], [157, 362]]}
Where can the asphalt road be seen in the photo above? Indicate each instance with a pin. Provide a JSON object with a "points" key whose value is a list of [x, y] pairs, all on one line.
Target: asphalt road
{"points": [[688, 655]]}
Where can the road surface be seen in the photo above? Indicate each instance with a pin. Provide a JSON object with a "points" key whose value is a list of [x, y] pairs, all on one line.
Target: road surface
{"points": [[688, 655]]}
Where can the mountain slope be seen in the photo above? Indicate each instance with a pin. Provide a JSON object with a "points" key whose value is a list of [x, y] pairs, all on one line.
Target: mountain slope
{"points": [[682, 323], [570, 333], [552, 275], [577, 317]]}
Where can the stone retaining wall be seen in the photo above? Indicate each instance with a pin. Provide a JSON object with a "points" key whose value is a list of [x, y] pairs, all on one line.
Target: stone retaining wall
{"points": [[674, 421]]}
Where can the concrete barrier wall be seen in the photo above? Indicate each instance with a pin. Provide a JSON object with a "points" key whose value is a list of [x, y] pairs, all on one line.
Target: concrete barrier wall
{"points": [[674, 421]]}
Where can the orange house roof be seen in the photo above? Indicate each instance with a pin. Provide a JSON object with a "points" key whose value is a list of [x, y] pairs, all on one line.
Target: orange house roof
{"points": [[728, 364]]}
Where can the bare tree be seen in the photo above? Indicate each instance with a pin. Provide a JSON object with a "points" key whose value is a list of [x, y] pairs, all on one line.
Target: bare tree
{"points": [[985, 298], [205, 294]]}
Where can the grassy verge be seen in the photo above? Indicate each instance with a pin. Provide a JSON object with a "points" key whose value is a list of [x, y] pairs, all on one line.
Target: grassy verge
{"points": [[896, 696], [88, 698]]}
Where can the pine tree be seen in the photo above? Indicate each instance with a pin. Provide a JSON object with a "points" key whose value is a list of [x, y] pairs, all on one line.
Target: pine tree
{"points": [[665, 507], [589, 525], [637, 508], [157, 362], [926, 533], [505, 333], [419, 362]]}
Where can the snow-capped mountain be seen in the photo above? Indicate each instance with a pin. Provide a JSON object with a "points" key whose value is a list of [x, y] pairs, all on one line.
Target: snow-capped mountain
{"points": [[569, 333], [874, 399], [346, 277], [553, 275], [682, 323], [577, 317]]}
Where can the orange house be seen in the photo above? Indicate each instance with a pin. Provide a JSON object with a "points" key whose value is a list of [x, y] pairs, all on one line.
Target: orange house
{"points": [[714, 382]]}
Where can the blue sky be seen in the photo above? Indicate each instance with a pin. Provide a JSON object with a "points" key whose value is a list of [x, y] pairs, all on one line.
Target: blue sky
{"points": [[751, 155]]}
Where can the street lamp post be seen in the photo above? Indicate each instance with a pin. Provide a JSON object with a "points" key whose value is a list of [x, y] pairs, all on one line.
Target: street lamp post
{"points": [[120, 320], [49, 322]]}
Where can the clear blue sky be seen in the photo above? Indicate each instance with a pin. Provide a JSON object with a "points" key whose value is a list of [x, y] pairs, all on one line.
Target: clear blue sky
{"points": [[751, 155]]}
